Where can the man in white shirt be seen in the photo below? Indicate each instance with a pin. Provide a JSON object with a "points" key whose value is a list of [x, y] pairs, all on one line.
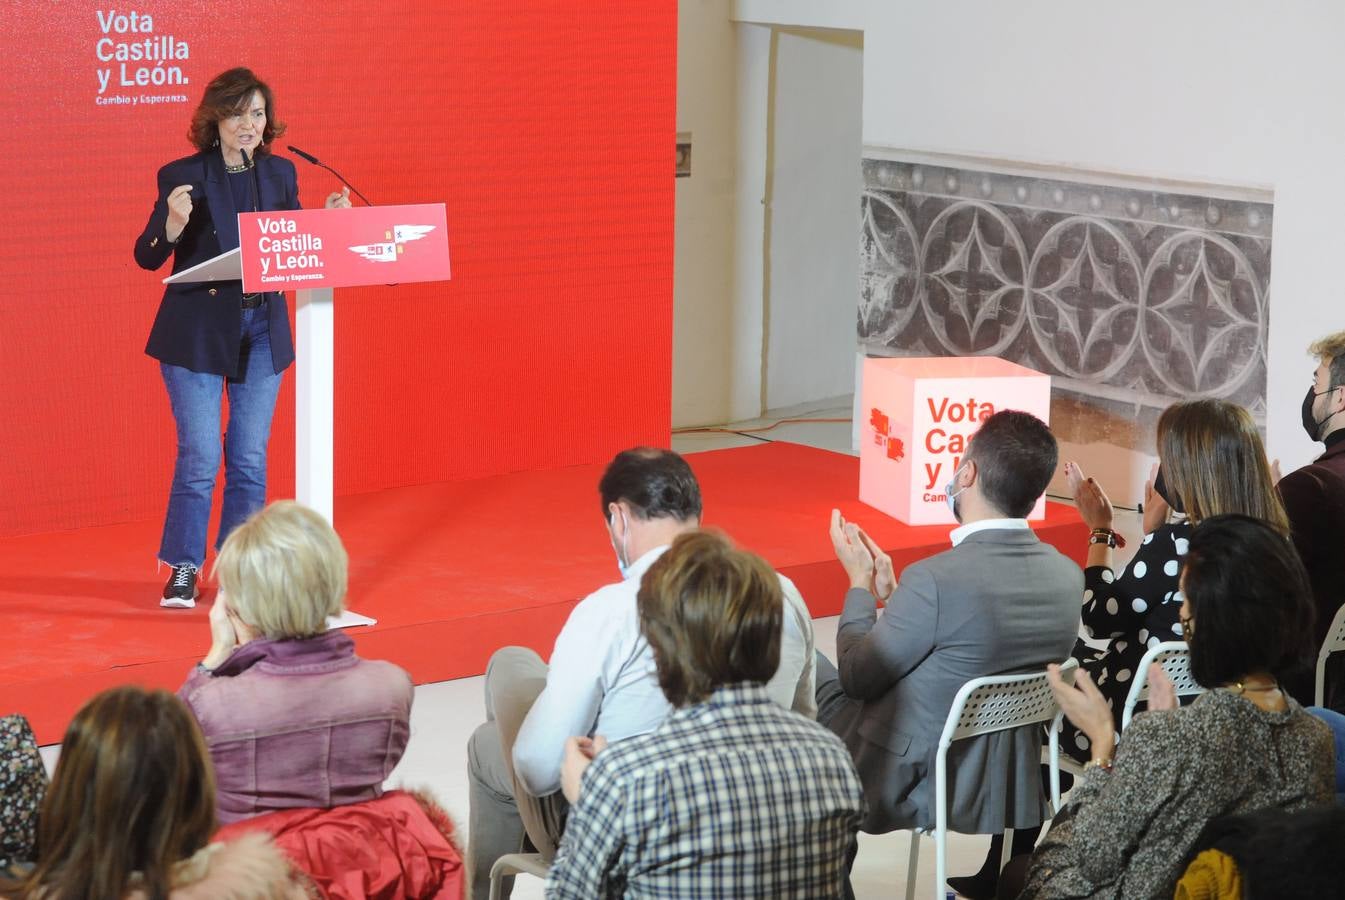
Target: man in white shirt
{"points": [[601, 678]]}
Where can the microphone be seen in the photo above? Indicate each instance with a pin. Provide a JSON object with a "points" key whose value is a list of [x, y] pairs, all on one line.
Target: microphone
{"points": [[317, 162]]}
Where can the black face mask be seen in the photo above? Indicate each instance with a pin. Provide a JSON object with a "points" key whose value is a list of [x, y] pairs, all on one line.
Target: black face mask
{"points": [[1310, 423], [1169, 496]]}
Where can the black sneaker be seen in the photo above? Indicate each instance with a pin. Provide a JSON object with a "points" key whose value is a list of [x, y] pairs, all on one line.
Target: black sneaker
{"points": [[180, 592]]}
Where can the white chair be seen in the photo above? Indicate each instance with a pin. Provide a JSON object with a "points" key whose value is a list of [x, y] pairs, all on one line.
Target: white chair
{"points": [[1059, 762], [1175, 658], [513, 864], [985, 706], [1334, 643]]}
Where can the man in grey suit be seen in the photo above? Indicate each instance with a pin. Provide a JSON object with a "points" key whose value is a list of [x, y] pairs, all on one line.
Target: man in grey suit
{"points": [[999, 601]]}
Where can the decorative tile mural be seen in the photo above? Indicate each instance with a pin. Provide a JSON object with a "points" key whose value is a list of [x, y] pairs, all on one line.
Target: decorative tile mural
{"points": [[1129, 297]]}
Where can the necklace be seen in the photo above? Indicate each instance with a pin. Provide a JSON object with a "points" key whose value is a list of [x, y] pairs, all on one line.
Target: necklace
{"points": [[241, 167], [1241, 688]]}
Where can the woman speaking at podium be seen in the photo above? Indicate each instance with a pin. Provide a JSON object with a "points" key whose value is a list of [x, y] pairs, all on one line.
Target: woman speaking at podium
{"points": [[209, 337]]}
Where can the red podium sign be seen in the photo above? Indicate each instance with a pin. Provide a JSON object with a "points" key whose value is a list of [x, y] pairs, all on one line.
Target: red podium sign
{"points": [[325, 248]]}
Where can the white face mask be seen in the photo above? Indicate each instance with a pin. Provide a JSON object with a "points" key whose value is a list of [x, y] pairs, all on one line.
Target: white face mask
{"points": [[622, 552], [950, 494]]}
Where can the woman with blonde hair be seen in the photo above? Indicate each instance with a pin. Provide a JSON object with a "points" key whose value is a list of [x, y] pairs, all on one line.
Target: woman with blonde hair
{"points": [[1211, 462], [292, 716], [131, 810]]}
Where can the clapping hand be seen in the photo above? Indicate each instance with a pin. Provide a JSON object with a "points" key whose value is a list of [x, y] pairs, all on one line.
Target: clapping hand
{"points": [[1094, 506], [1162, 692], [884, 579], [854, 554], [1155, 507], [579, 754], [1085, 706]]}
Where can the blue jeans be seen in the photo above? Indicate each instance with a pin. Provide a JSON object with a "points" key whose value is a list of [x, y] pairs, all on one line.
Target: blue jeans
{"points": [[196, 398]]}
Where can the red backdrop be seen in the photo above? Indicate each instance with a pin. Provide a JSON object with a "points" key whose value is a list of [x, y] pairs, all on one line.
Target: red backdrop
{"points": [[546, 126]]}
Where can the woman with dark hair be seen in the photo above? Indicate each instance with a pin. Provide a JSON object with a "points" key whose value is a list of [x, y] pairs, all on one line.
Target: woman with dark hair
{"points": [[1243, 745], [210, 337], [1211, 462], [131, 809]]}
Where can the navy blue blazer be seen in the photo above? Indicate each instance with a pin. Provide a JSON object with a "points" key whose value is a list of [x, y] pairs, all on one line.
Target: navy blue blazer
{"points": [[198, 325]]}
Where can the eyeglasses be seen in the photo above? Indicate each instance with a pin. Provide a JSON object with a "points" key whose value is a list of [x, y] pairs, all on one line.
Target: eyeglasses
{"points": [[1188, 627]]}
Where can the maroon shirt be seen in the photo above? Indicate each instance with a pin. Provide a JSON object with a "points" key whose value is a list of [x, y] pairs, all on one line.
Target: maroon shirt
{"points": [[300, 723]]}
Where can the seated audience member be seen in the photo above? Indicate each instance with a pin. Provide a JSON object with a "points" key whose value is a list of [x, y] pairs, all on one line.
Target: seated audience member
{"points": [[292, 716], [1314, 498], [999, 601], [1211, 462], [601, 677], [731, 796], [131, 809], [23, 782], [1243, 745]]}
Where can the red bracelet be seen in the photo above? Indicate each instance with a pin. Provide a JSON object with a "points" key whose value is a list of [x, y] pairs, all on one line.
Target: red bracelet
{"points": [[1106, 536]]}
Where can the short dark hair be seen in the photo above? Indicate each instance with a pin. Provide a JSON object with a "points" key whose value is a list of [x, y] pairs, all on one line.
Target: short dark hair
{"points": [[1015, 455], [656, 483], [712, 615], [229, 93], [1250, 600]]}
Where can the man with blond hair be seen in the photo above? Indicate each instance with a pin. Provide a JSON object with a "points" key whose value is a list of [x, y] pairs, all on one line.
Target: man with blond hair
{"points": [[1314, 498]]}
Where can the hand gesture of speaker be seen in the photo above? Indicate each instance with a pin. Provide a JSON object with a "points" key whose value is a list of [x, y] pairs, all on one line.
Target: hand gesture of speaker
{"points": [[179, 211]]}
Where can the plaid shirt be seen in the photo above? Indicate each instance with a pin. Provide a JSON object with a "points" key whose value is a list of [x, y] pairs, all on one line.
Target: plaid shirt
{"points": [[733, 797]]}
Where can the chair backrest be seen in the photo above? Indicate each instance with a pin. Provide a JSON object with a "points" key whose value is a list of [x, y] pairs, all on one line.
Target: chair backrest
{"points": [[1334, 643], [1001, 702], [1175, 658]]}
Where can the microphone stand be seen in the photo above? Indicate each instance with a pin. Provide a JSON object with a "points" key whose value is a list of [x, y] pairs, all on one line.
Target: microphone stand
{"points": [[317, 162]]}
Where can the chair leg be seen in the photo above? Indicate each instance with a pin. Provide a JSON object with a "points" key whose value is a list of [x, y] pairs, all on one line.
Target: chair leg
{"points": [[912, 865], [1006, 853]]}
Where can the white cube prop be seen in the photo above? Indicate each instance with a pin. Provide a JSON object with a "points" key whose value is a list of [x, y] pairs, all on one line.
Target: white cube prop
{"points": [[919, 415]]}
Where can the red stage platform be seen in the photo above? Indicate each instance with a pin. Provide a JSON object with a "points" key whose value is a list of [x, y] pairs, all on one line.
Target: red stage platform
{"points": [[451, 571]]}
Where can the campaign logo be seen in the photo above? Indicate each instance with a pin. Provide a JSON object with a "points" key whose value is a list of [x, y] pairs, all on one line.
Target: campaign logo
{"points": [[882, 437], [394, 242]]}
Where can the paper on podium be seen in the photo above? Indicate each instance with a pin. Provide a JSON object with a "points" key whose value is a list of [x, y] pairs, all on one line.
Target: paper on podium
{"points": [[225, 267], [349, 619]]}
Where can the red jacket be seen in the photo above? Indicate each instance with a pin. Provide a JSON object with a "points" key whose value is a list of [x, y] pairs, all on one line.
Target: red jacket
{"points": [[398, 846]]}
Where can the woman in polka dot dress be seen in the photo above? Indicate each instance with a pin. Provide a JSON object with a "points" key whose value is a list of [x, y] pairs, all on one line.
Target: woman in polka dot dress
{"points": [[1211, 462]]}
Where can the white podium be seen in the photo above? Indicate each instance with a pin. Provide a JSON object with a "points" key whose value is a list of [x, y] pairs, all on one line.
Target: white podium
{"points": [[313, 251]]}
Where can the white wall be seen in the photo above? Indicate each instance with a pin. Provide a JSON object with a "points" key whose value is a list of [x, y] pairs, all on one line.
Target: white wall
{"points": [[813, 215], [1224, 91], [703, 260], [765, 267]]}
